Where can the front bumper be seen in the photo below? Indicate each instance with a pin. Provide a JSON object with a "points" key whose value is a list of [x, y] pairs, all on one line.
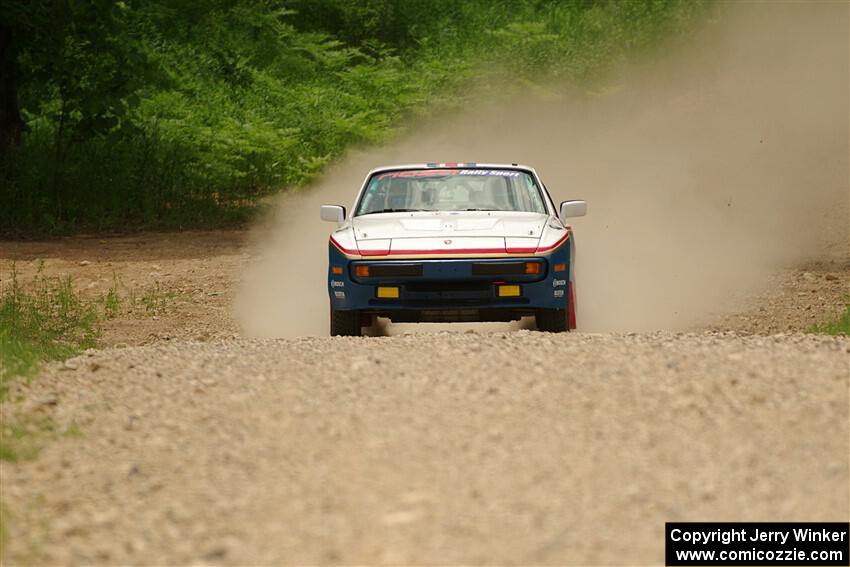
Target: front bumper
{"points": [[450, 289]]}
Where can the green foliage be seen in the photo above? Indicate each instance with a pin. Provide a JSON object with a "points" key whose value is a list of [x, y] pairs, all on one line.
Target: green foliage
{"points": [[840, 326], [78, 71], [178, 113], [48, 321]]}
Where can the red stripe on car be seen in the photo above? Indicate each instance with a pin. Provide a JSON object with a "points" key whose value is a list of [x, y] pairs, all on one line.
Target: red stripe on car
{"points": [[450, 251], [572, 307]]}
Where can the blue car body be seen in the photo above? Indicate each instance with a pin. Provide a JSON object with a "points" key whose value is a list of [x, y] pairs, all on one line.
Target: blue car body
{"points": [[451, 289]]}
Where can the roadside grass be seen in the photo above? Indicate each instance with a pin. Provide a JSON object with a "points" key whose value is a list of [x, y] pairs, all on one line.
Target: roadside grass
{"points": [[4, 535], [21, 439], [111, 300], [840, 326], [47, 319], [155, 299]]}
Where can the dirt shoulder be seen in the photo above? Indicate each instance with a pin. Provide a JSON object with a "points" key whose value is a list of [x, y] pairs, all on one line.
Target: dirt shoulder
{"points": [[793, 300], [190, 280], [170, 285]]}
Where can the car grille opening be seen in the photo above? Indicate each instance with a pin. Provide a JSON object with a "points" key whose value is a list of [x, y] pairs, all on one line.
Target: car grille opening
{"points": [[394, 270], [499, 268], [449, 287]]}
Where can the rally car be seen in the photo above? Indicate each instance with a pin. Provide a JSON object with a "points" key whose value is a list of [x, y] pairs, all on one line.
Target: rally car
{"points": [[445, 242]]}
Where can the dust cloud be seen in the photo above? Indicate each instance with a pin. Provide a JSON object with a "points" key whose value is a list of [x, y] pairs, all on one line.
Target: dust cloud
{"points": [[705, 170]]}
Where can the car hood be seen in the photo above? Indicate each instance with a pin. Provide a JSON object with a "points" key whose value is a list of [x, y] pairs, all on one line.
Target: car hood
{"points": [[447, 231]]}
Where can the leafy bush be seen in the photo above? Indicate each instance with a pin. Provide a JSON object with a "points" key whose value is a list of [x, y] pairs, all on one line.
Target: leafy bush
{"points": [[177, 113]]}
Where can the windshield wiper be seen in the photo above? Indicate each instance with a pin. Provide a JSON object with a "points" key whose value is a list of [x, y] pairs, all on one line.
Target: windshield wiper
{"points": [[394, 211], [481, 209]]}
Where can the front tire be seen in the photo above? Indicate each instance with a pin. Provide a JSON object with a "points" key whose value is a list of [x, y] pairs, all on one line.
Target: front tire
{"points": [[345, 323], [552, 320]]}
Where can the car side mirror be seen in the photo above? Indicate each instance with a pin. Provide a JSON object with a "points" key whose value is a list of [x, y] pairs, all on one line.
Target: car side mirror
{"points": [[572, 209], [332, 213]]}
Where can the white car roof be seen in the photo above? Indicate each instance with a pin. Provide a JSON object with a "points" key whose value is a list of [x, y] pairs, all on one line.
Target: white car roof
{"points": [[435, 165]]}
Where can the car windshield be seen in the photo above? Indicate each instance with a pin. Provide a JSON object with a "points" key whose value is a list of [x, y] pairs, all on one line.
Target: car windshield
{"points": [[451, 190]]}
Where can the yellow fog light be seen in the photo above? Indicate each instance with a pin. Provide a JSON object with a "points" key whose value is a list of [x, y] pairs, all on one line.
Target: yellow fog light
{"points": [[508, 291], [388, 292]]}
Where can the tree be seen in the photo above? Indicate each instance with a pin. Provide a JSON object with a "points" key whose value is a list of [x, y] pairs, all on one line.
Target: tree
{"points": [[11, 123], [78, 62]]}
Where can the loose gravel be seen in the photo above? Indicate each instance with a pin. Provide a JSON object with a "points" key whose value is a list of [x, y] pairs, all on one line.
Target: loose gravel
{"points": [[449, 448]]}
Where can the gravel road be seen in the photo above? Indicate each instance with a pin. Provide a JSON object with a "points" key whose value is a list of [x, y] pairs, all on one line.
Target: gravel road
{"points": [[445, 448]]}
